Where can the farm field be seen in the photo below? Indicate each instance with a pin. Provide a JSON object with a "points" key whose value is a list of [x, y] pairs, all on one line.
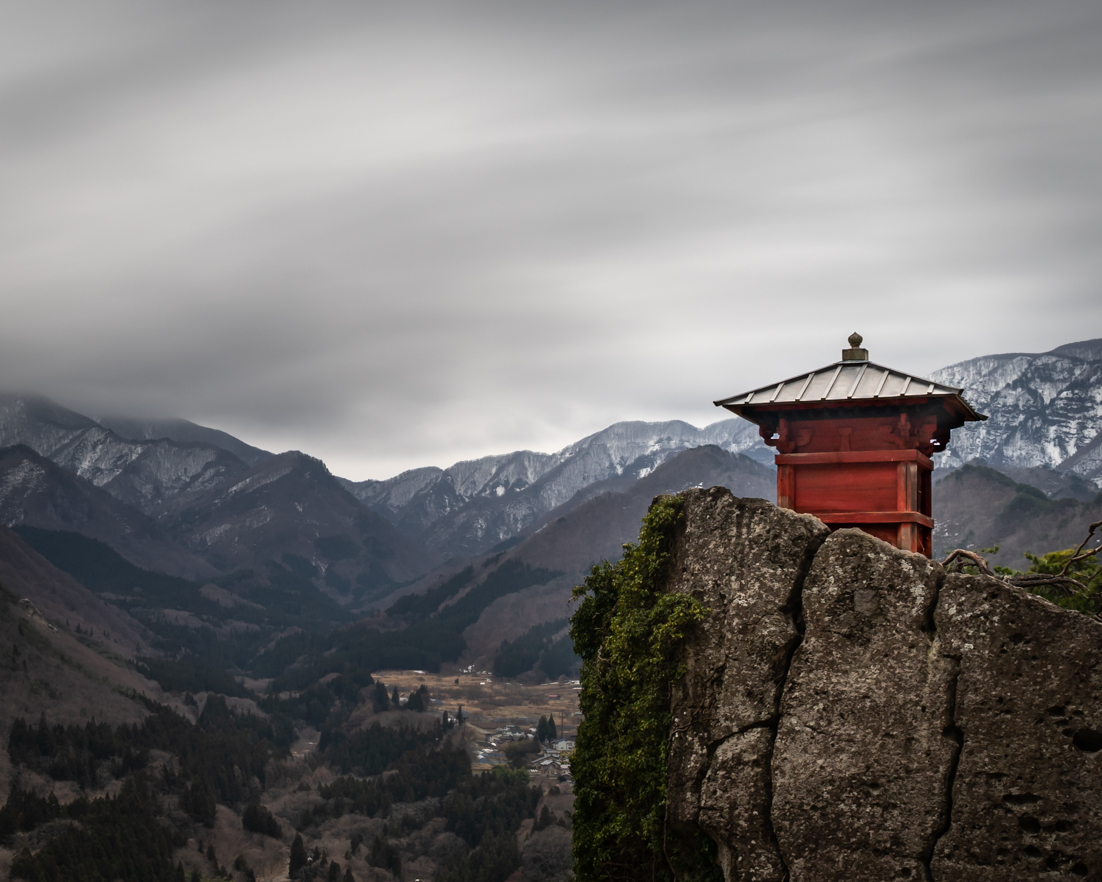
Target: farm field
{"points": [[492, 704]]}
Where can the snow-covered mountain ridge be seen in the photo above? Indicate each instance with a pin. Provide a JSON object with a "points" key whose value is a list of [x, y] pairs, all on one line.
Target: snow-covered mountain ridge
{"points": [[607, 452], [474, 505], [183, 432], [1044, 409], [152, 475]]}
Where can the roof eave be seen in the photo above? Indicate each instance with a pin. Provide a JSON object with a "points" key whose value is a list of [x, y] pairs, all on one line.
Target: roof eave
{"points": [[953, 402]]}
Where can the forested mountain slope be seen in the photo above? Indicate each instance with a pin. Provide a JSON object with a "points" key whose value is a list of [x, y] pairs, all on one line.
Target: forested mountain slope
{"points": [[977, 507], [60, 597], [291, 512]]}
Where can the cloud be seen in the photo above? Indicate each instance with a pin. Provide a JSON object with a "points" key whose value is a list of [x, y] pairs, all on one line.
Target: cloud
{"points": [[407, 237]]}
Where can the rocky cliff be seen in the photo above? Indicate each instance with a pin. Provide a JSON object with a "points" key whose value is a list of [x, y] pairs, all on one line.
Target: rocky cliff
{"points": [[852, 712]]}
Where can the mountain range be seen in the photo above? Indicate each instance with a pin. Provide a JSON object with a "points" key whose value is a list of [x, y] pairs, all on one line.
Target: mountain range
{"points": [[236, 610], [1043, 410], [473, 506], [191, 507], [199, 504], [38, 492]]}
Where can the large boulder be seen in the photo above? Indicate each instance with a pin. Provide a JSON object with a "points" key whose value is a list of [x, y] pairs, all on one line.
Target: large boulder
{"points": [[851, 712], [1027, 798], [864, 747]]}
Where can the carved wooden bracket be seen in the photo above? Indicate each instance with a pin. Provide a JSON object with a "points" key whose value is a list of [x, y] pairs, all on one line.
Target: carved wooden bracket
{"points": [[935, 436], [784, 442]]}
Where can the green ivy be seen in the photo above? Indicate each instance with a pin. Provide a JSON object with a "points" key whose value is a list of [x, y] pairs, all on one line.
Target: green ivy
{"points": [[628, 631]]}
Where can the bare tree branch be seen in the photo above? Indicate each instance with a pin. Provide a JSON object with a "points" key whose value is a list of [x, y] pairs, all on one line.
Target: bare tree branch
{"points": [[1079, 553], [1064, 584], [1067, 586], [959, 554]]}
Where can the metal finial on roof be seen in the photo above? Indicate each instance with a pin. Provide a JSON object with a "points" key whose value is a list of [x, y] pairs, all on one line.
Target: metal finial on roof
{"points": [[855, 352]]}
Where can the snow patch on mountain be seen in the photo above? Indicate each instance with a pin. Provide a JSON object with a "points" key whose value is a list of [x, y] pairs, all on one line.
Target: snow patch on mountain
{"points": [[24, 479], [256, 481], [153, 475], [1044, 409], [473, 505]]}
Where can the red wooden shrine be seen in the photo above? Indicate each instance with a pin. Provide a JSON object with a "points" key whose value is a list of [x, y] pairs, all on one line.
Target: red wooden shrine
{"points": [[854, 441]]}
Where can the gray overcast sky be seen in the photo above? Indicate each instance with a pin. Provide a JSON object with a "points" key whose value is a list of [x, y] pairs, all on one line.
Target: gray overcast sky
{"points": [[409, 235]]}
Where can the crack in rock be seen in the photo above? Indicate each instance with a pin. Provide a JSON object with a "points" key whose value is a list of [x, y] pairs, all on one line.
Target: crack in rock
{"points": [[1027, 791], [853, 713], [950, 730], [859, 760], [730, 555]]}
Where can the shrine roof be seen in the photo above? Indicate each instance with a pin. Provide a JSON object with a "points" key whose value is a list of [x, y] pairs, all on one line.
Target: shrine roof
{"points": [[851, 381]]}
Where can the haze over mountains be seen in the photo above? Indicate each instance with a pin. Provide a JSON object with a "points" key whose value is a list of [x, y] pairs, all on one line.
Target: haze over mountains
{"points": [[66, 471], [149, 565], [183, 431], [197, 503]]}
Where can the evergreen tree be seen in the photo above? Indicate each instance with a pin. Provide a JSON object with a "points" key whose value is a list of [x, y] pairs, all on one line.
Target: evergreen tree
{"points": [[545, 820], [198, 801], [394, 699], [380, 701], [386, 856], [298, 855], [258, 819]]}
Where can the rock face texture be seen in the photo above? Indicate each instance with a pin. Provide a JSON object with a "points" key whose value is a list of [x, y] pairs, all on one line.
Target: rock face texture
{"points": [[851, 712], [725, 713], [1028, 791], [864, 747]]}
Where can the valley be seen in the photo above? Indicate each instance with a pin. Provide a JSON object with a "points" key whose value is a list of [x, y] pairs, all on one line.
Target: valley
{"points": [[254, 651]]}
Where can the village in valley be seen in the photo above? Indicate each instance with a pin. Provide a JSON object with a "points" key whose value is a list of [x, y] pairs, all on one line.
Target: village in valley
{"points": [[501, 719]]}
